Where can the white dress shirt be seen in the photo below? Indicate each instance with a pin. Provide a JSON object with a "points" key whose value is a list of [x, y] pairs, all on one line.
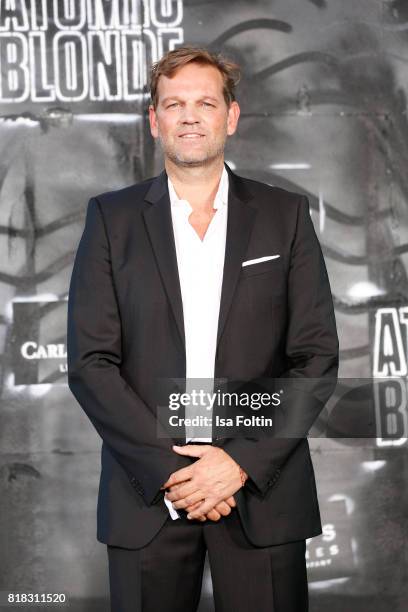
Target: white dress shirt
{"points": [[200, 267]]}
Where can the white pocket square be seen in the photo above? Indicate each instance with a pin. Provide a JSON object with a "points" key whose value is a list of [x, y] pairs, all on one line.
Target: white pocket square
{"points": [[249, 262]]}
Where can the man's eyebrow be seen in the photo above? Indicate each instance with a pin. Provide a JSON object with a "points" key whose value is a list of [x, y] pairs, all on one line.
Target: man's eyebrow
{"points": [[164, 100]]}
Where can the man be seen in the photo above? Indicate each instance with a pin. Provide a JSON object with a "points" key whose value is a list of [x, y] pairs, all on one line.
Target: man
{"points": [[200, 273]]}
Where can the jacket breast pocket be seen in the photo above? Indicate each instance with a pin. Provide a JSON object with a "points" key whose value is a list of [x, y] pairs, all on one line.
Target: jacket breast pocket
{"points": [[270, 266], [270, 274]]}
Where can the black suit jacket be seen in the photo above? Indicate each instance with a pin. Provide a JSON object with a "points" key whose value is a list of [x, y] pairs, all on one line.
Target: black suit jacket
{"points": [[125, 330]]}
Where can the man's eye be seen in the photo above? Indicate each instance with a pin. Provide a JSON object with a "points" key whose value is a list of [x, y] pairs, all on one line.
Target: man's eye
{"points": [[173, 104], [208, 104]]}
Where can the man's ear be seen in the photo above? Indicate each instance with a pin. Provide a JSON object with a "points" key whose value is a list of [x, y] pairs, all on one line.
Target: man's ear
{"points": [[153, 121], [233, 116]]}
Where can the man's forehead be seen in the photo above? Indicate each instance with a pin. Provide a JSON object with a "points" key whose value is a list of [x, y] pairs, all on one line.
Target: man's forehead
{"points": [[206, 82]]}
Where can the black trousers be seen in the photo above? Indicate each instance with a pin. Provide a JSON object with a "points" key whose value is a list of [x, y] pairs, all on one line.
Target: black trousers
{"points": [[166, 574]]}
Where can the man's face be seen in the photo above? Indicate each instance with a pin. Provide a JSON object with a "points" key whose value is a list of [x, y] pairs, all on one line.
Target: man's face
{"points": [[192, 120]]}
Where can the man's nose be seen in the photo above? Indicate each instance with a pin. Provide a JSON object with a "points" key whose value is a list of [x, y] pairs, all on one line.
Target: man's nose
{"points": [[189, 115], [190, 120]]}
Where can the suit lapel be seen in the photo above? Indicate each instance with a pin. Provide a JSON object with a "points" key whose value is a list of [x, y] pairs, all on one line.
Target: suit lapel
{"points": [[240, 221], [160, 229]]}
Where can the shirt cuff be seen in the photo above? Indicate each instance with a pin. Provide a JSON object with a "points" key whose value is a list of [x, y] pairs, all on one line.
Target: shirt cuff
{"points": [[173, 512]]}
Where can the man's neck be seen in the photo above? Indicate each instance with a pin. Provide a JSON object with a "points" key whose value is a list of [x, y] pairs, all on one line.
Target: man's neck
{"points": [[198, 185]]}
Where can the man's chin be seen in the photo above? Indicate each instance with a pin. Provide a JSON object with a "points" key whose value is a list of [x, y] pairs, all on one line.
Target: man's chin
{"points": [[192, 162]]}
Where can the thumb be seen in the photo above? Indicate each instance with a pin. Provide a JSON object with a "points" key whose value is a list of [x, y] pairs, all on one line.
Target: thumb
{"points": [[191, 450]]}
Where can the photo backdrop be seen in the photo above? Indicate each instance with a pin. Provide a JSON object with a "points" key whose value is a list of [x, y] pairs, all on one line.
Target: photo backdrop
{"points": [[323, 112]]}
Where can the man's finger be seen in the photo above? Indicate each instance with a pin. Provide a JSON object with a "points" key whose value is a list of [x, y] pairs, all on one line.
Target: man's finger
{"points": [[202, 517], [204, 508], [213, 515], [231, 501], [180, 475], [193, 506], [181, 491], [223, 508], [173, 488], [187, 500], [192, 450]]}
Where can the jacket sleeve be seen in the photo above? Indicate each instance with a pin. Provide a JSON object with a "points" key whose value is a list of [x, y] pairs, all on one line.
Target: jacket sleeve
{"points": [[124, 422], [312, 357]]}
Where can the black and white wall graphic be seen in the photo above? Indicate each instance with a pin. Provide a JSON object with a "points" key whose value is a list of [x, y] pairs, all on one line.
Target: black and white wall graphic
{"points": [[323, 99]]}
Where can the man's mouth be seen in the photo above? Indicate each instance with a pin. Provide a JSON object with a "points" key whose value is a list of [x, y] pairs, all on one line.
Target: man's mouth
{"points": [[191, 135]]}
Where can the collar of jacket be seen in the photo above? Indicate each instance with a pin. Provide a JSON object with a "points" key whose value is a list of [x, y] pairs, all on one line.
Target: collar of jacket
{"points": [[241, 217]]}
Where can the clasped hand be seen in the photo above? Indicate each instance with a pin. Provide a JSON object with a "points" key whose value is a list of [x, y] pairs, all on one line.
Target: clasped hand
{"points": [[205, 489]]}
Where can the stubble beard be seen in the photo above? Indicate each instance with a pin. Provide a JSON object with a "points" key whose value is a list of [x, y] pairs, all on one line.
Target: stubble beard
{"points": [[214, 151]]}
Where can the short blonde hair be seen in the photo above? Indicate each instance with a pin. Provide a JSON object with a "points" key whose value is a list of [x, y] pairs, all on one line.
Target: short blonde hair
{"points": [[173, 60]]}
